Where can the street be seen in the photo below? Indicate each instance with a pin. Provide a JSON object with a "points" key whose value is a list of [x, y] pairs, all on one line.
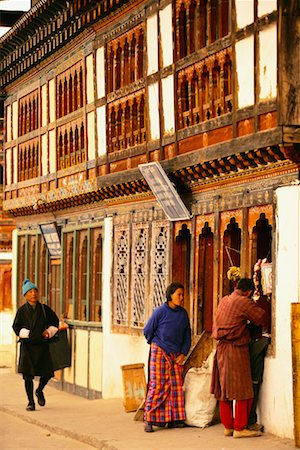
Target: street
{"points": [[70, 421], [18, 434]]}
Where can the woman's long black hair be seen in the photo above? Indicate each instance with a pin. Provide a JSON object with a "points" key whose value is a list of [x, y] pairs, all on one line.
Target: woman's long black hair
{"points": [[172, 288]]}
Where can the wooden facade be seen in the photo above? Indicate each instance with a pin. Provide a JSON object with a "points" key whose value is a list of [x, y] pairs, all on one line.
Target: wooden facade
{"points": [[96, 88]]}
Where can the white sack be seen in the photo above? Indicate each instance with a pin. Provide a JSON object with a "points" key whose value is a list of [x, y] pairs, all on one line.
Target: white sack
{"points": [[199, 403]]}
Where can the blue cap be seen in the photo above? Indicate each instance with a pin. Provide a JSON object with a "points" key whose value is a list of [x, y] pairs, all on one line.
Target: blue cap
{"points": [[27, 285]]}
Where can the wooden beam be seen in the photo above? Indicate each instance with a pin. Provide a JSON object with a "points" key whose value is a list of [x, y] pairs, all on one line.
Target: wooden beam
{"points": [[288, 62], [242, 144], [291, 134]]}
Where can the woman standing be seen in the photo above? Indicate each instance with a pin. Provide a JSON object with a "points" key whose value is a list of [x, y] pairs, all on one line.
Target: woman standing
{"points": [[35, 324], [169, 334]]}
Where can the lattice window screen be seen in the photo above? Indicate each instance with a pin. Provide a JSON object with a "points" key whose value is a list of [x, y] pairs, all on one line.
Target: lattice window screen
{"points": [[139, 278], [121, 274], [159, 263]]}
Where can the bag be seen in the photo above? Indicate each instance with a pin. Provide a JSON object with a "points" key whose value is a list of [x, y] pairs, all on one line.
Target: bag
{"points": [[200, 404], [60, 350]]}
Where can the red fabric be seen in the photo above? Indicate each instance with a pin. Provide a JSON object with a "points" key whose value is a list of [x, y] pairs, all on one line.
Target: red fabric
{"points": [[242, 410], [231, 378], [165, 398]]}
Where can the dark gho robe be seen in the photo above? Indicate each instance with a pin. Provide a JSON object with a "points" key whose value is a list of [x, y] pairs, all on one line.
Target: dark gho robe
{"points": [[231, 377], [34, 352]]}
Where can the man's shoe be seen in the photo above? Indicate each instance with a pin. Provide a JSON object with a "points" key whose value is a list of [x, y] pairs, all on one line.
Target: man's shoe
{"points": [[30, 407], [256, 427], [246, 433], [40, 397], [148, 427], [228, 431]]}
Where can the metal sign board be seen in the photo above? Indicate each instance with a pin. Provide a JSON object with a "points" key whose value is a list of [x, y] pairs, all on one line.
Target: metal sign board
{"points": [[51, 238], [164, 191]]}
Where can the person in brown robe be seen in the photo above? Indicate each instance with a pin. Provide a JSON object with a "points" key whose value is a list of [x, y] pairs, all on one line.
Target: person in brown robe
{"points": [[231, 377]]}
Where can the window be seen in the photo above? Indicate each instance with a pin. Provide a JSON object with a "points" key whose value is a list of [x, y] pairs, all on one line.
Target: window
{"points": [[42, 269], [231, 253], [68, 275], [132, 302], [96, 275], [21, 268], [200, 23], [81, 284]]}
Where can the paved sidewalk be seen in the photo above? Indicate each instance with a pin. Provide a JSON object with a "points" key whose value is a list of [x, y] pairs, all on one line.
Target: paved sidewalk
{"points": [[105, 425]]}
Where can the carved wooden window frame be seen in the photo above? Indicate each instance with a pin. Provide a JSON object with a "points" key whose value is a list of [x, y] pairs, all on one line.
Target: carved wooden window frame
{"points": [[155, 276]]}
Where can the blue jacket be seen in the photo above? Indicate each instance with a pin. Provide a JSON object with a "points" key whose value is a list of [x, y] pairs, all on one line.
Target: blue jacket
{"points": [[170, 329]]}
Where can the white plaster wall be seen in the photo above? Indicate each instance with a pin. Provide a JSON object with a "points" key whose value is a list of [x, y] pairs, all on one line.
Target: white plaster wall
{"points": [[277, 388], [52, 151], [168, 104], [6, 339], [100, 72], [91, 135], [81, 360], [15, 119], [268, 62], [152, 45], [121, 349], [245, 71], [101, 130], [96, 356], [89, 78], [118, 349], [44, 154], [266, 7], [165, 16], [52, 100], [44, 105], [8, 166], [8, 123], [244, 12], [153, 110], [69, 371], [15, 164]]}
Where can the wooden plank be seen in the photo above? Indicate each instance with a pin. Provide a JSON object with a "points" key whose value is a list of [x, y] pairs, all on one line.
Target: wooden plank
{"points": [[200, 352], [295, 330], [134, 384]]}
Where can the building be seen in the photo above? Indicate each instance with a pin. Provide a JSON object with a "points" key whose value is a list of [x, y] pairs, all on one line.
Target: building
{"points": [[208, 89], [7, 18]]}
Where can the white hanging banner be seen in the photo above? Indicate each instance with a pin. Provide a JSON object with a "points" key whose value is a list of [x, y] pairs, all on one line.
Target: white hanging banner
{"points": [[164, 191]]}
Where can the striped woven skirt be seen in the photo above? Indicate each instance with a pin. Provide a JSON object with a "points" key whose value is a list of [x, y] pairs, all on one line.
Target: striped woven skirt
{"points": [[165, 398]]}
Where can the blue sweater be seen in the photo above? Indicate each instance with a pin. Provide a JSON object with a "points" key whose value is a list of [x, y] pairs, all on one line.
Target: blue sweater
{"points": [[170, 329]]}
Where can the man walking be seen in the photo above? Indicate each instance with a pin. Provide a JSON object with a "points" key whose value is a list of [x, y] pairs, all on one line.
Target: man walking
{"points": [[35, 324], [231, 378]]}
